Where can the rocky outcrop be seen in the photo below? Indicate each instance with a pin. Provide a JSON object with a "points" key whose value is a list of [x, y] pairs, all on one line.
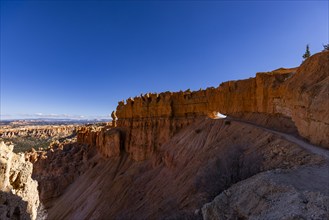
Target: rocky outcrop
{"points": [[59, 166], [107, 140], [298, 95], [19, 197], [301, 193], [250, 95], [307, 98], [189, 170]]}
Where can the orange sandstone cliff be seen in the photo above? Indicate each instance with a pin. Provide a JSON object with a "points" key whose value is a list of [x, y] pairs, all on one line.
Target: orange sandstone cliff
{"points": [[185, 158], [296, 97]]}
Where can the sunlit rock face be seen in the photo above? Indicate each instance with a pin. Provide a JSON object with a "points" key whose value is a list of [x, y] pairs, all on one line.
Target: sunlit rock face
{"points": [[106, 139], [165, 157], [297, 95], [19, 197]]}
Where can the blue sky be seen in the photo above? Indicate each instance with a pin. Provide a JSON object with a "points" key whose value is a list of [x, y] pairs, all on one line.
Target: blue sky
{"points": [[79, 58]]}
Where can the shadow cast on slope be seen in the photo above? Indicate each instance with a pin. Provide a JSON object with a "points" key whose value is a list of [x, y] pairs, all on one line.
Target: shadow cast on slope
{"points": [[12, 207]]}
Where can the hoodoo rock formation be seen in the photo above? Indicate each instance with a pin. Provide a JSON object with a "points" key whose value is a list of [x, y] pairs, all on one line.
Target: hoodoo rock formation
{"points": [[291, 100], [19, 198], [298, 95], [164, 158]]}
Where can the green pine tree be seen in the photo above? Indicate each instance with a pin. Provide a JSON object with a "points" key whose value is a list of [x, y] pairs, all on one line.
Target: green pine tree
{"points": [[307, 53]]}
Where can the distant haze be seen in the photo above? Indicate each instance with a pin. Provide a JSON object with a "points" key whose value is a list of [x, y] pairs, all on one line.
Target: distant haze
{"points": [[77, 59], [54, 117]]}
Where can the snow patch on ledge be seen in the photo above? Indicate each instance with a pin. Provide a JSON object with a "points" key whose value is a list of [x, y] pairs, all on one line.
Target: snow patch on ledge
{"points": [[216, 115], [219, 115]]}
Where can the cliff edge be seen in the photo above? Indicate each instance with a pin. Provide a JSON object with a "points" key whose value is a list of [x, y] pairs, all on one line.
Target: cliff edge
{"points": [[165, 156], [291, 99]]}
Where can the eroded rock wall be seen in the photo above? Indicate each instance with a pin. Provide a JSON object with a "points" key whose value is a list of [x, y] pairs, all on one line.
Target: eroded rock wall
{"points": [[307, 97], [188, 171], [19, 197], [59, 166], [250, 95], [197, 157], [299, 95], [107, 140]]}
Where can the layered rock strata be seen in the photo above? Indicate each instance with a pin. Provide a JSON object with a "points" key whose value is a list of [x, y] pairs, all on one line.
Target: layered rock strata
{"points": [[19, 197], [107, 140], [196, 157], [306, 99], [189, 170], [298, 96]]}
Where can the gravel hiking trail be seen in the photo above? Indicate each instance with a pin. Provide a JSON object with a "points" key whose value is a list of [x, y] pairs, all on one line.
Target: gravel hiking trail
{"points": [[307, 146]]}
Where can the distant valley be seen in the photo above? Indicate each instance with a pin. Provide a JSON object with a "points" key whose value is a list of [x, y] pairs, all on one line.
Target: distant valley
{"points": [[40, 133]]}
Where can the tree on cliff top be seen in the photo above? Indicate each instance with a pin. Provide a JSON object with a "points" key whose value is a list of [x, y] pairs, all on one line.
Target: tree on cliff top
{"points": [[325, 47], [307, 53]]}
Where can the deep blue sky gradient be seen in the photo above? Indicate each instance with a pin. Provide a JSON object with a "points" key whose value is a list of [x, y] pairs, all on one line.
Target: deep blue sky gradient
{"points": [[72, 58]]}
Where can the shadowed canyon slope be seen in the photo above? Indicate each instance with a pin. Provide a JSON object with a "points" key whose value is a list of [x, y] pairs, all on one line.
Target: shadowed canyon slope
{"points": [[164, 157], [189, 170]]}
